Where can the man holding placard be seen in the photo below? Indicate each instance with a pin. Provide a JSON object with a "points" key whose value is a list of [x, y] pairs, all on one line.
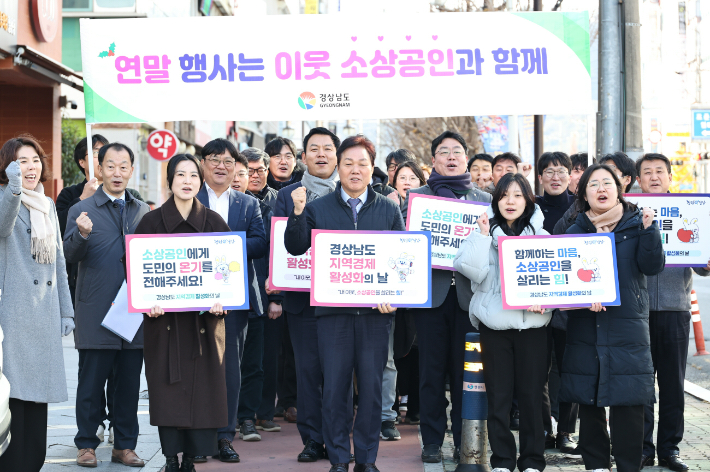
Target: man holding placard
{"points": [[241, 212], [319, 179], [94, 239], [441, 330], [669, 323], [349, 338]]}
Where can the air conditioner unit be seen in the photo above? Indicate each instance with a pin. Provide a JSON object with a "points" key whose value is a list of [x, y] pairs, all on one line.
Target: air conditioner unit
{"points": [[114, 6]]}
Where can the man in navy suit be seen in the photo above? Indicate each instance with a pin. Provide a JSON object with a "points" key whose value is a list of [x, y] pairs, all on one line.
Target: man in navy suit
{"points": [[242, 213]]}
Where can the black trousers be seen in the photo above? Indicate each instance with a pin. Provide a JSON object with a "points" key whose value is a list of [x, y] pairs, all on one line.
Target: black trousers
{"points": [[191, 442], [670, 336], [441, 333], [348, 343], [270, 362], [309, 374], [235, 329], [28, 446], [627, 424], [107, 401], [252, 371], [286, 386], [568, 412], [515, 361], [96, 369], [408, 380]]}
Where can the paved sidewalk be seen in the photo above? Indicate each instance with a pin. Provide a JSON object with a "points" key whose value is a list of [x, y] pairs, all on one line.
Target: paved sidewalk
{"points": [[277, 451]]}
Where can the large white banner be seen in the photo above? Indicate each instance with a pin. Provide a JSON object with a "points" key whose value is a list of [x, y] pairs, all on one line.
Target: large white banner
{"points": [[339, 66]]}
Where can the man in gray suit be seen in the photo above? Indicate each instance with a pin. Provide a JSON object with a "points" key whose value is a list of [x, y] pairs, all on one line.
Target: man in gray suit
{"points": [[95, 239], [441, 329]]}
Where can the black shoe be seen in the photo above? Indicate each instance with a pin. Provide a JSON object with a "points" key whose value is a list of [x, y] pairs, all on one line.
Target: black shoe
{"points": [[279, 412], [366, 468], [388, 431], [199, 459], [673, 462], [457, 454], [515, 420], [226, 451], [187, 464], [567, 446], [431, 453], [647, 461], [550, 441], [339, 468], [171, 464], [312, 452]]}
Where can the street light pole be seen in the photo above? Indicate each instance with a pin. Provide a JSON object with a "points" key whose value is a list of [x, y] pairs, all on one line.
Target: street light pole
{"points": [[610, 85], [539, 132]]}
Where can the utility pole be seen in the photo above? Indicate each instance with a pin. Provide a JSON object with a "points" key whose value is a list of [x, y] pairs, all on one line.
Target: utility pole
{"points": [[512, 119], [538, 127], [633, 136], [610, 127]]}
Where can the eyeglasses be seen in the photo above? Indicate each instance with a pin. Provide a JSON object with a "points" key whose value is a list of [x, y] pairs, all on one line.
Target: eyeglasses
{"points": [[550, 173], [594, 185], [285, 157], [404, 179], [214, 162], [445, 153], [261, 171], [241, 174]]}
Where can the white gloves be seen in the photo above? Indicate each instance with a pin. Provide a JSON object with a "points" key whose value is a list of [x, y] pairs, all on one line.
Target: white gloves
{"points": [[67, 326], [14, 176]]}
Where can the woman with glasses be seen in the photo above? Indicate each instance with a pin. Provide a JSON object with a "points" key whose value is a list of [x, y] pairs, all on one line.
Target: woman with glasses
{"points": [[607, 360], [407, 176]]}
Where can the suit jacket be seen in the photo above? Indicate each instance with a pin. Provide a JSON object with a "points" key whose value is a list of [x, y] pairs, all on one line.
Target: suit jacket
{"points": [[293, 302], [441, 279], [245, 215]]}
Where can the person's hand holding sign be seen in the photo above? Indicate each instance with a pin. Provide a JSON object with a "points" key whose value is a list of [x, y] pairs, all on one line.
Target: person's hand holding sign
{"points": [[218, 310], [537, 309], [156, 311], [647, 217], [483, 224], [385, 308], [269, 290], [299, 200]]}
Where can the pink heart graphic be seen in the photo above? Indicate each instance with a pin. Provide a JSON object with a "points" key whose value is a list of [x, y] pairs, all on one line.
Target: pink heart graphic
{"points": [[354, 38], [408, 38], [380, 38], [435, 37]]}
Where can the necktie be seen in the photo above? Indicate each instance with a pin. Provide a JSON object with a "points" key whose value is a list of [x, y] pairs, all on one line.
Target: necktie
{"points": [[354, 202], [121, 203]]}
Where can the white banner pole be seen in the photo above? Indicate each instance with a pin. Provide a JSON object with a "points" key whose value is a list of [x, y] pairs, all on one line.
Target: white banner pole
{"points": [[89, 151]]}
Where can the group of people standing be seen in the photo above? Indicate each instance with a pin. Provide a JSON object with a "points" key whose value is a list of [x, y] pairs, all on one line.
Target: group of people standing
{"points": [[217, 374]]}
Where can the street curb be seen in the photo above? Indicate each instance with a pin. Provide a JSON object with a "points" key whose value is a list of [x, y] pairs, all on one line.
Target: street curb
{"points": [[697, 391]]}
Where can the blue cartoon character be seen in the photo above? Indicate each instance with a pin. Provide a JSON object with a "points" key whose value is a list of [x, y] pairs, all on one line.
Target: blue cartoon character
{"points": [[223, 269], [402, 265]]}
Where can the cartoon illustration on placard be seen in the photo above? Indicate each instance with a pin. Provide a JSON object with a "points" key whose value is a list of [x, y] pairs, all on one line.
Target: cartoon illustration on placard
{"points": [[223, 269], [590, 273], [402, 265], [690, 233]]}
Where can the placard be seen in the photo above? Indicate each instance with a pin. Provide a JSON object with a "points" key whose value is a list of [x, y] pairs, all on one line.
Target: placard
{"points": [[450, 222], [365, 268], [684, 221], [286, 271], [187, 272], [558, 271]]}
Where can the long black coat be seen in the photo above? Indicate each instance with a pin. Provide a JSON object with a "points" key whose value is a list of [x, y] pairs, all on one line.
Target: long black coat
{"points": [[184, 351], [608, 354]]}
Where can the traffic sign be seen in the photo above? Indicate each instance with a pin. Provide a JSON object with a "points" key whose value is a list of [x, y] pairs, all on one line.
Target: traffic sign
{"points": [[162, 144], [701, 124], [655, 136]]}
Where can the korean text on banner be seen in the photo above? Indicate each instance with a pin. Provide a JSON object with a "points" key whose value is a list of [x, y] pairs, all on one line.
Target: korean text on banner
{"points": [[450, 222], [558, 271], [365, 268], [684, 221], [337, 67], [286, 271], [187, 272]]}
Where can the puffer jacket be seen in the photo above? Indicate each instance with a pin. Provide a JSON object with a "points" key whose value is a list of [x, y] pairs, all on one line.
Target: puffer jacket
{"points": [[484, 272], [670, 290], [607, 358]]}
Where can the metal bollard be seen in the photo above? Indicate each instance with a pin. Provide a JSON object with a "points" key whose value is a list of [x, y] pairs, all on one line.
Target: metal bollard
{"points": [[474, 411]]}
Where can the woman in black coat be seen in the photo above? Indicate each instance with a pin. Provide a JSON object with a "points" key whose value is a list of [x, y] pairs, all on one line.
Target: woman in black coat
{"points": [[607, 360]]}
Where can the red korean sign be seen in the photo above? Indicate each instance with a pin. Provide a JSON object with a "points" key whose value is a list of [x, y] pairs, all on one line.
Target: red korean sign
{"points": [[162, 144]]}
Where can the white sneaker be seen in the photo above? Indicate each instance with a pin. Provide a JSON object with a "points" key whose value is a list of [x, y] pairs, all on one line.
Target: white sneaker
{"points": [[110, 435], [600, 470], [532, 470], [500, 469], [100, 432]]}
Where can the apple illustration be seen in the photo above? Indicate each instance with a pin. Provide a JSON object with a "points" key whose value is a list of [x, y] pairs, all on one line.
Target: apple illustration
{"points": [[585, 275], [685, 235]]}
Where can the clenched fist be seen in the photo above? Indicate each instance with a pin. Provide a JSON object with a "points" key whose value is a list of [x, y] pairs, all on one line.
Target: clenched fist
{"points": [[524, 168], [647, 217], [483, 224], [299, 200], [84, 224]]}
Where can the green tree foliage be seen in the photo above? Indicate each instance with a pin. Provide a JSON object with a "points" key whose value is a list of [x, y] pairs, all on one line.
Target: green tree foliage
{"points": [[71, 135]]}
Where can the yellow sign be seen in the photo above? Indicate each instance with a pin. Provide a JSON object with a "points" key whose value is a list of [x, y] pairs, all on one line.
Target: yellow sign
{"points": [[683, 134], [311, 7], [473, 366], [473, 347]]}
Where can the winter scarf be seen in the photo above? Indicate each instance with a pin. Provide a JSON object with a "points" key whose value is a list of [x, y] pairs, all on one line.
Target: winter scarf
{"points": [[44, 241], [317, 187], [450, 186], [605, 222]]}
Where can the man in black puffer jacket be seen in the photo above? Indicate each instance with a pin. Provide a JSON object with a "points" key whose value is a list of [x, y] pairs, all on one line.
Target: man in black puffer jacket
{"points": [[354, 205]]}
